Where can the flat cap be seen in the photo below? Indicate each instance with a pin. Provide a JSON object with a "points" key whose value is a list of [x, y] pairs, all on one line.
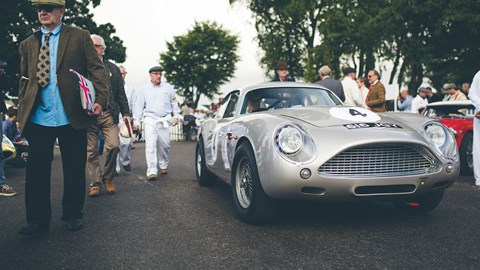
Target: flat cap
{"points": [[282, 65], [348, 70], [49, 2], [155, 69], [449, 86], [422, 89]]}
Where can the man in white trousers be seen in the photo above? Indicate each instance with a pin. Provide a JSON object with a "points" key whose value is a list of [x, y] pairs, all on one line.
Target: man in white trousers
{"points": [[123, 158], [474, 95], [157, 106]]}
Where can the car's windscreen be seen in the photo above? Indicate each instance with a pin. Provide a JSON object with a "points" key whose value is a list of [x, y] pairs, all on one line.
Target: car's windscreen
{"points": [[449, 111], [287, 97]]}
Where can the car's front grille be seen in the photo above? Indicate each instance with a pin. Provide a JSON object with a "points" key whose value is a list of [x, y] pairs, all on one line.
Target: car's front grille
{"points": [[381, 160]]}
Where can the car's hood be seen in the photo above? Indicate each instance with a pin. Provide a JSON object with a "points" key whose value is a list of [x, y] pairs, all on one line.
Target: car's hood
{"points": [[335, 116]]}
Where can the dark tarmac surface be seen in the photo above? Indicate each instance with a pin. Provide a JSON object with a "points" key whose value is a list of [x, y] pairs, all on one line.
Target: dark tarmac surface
{"points": [[173, 223]]}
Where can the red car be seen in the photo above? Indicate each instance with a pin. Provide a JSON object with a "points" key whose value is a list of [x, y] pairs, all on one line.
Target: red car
{"points": [[458, 116]]}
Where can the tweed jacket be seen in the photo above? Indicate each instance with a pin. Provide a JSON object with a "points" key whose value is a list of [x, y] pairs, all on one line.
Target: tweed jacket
{"points": [[118, 101], [376, 98], [75, 50]]}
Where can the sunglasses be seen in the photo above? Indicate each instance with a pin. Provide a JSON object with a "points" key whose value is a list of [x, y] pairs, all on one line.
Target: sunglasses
{"points": [[46, 8]]}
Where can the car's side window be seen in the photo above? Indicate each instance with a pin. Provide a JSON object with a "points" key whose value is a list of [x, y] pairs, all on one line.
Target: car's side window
{"points": [[231, 106]]}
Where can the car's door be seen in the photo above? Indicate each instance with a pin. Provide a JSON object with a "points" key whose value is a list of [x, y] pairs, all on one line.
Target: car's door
{"points": [[218, 136]]}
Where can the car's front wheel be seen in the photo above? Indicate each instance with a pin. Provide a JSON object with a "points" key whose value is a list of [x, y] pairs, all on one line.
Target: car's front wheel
{"points": [[466, 154], [421, 203], [204, 177], [251, 202]]}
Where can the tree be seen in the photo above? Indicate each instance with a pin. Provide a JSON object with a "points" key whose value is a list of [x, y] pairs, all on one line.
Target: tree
{"points": [[199, 62], [19, 20]]}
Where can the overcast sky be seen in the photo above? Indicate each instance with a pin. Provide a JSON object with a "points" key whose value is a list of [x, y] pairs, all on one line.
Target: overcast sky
{"points": [[146, 25]]}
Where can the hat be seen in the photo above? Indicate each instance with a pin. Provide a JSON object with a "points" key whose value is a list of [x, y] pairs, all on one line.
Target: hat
{"points": [[282, 65], [125, 130], [348, 70], [155, 69], [449, 86], [49, 2], [422, 89]]}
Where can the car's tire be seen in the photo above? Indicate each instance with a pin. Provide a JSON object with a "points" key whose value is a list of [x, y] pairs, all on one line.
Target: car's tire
{"points": [[466, 154], [421, 203], [251, 202], [204, 177]]}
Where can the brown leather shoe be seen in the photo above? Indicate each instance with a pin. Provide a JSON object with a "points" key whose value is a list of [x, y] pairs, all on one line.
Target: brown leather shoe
{"points": [[152, 177], [94, 191], [163, 171], [110, 187]]}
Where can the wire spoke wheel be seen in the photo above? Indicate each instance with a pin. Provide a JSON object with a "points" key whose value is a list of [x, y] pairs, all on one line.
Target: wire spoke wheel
{"points": [[244, 183]]}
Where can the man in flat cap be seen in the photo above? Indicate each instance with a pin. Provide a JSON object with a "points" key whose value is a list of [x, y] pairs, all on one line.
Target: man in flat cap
{"points": [[50, 109], [281, 72], [353, 95], [108, 124], [453, 93], [420, 102], [158, 107]]}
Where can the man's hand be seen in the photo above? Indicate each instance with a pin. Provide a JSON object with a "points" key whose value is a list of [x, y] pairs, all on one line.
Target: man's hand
{"points": [[174, 121], [477, 115], [97, 110], [136, 128]]}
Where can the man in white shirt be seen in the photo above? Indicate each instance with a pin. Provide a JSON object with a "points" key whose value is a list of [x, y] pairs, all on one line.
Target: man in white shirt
{"points": [[157, 105], [353, 95], [474, 95], [123, 157], [420, 102]]}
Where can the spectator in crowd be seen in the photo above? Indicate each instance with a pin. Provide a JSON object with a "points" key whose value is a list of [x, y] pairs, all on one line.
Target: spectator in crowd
{"points": [[453, 93], [431, 96], [189, 121], [5, 190], [375, 100], [404, 101], [465, 88], [363, 88], [108, 122], [330, 83], [56, 113], [353, 96], [10, 129], [185, 108], [474, 95], [157, 105], [420, 102], [126, 143], [281, 72]]}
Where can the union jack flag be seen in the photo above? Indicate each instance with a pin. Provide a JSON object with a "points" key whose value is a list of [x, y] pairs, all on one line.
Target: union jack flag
{"points": [[87, 91]]}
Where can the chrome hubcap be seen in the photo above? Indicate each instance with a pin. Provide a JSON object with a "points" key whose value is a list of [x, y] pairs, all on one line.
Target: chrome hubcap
{"points": [[244, 183]]}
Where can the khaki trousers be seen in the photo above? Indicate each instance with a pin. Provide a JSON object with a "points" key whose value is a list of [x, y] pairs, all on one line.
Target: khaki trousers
{"points": [[110, 134]]}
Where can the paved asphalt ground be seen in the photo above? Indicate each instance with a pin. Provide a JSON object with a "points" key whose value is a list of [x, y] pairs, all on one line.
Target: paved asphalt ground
{"points": [[173, 223]]}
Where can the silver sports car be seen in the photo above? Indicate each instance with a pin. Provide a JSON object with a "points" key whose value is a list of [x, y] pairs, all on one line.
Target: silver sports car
{"points": [[297, 141]]}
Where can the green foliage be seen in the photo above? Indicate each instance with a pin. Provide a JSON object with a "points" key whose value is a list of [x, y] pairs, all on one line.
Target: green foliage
{"points": [[19, 20], [200, 61], [435, 38]]}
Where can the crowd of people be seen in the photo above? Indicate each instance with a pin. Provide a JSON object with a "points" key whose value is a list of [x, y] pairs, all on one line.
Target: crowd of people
{"points": [[51, 114]]}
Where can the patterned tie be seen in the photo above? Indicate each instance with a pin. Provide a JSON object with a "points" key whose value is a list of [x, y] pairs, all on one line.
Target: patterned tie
{"points": [[43, 68]]}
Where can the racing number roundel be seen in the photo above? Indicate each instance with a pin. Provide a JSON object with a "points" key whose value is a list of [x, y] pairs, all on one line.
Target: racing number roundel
{"points": [[354, 114]]}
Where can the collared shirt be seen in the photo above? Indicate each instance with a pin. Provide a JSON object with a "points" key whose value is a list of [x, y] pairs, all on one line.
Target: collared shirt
{"points": [[418, 103], [405, 104], [50, 111], [156, 100], [353, 96]]}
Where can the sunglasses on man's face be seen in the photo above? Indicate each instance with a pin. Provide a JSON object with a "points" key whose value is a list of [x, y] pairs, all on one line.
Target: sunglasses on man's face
{"points": [[46, 8]]}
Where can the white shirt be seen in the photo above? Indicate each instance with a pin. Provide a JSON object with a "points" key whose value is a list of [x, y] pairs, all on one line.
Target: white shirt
{"points": [[156, 100], [131, 97], [474, 93], [418, 102], [353, 96]]}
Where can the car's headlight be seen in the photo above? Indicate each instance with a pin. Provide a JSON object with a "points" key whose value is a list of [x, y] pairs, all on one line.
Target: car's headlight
{"points": [[442, 138], [294, 144], [290, 140]]}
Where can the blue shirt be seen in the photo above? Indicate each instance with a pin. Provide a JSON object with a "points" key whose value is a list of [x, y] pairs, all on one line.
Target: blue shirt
{"points": [[50, 111], [10, 130]]}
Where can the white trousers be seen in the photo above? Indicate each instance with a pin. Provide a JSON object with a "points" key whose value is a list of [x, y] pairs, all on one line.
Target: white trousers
{"points": [[123, 157], [157, 142], [476, 150]]}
